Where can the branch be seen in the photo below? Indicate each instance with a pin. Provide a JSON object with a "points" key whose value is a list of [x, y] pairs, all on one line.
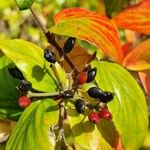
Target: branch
{"points": [[44, 29], [31, 94], [50, 37]]}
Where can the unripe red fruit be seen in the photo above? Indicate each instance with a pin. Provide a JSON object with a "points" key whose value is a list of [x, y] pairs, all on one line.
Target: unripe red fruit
{"points": [[94, 117], [105, 114], [24, 101], [82, 78]]}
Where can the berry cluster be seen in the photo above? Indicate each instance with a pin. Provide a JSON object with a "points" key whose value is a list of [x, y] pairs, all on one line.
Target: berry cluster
{"points": [[23, 87], [86, 76], [95, 117], [96, 93]]}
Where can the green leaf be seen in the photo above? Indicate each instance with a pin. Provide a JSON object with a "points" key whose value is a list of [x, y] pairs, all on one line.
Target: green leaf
{"points": [[24, 4], [114, 6], [129, 110], [8, 92], [86, 134], [32, 132], [29, 59], [10, 113]]}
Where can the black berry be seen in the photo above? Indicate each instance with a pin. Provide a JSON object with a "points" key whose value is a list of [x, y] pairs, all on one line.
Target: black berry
{"points": [[91, 75], [24, 86], [106, 96], [16, 73], [80, 105], [94, 92], [49, 56], [69, 44]]}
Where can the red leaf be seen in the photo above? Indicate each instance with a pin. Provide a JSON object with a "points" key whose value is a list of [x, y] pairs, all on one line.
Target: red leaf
{"points": [[145, 79], [91, 27], [126, 48], [139, 58], [135, 18]]}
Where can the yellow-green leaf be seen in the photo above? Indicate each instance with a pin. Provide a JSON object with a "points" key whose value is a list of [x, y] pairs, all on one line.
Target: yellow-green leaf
{"points": [[32, 132], [91, 27], [29, 59], [129, 109]]}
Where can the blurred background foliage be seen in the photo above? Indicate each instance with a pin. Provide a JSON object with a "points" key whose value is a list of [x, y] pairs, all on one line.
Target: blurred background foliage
{"points": [[21, 24]]}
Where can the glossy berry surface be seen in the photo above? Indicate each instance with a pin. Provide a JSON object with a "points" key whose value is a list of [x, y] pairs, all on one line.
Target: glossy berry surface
{"points": [[105, 114], [94, 117], [69, 44], [49, 56], [82, 78], [24, 101], [91, 75], [16, 73], [80, 105], [94, 92], [106, 96], [24, 86]]}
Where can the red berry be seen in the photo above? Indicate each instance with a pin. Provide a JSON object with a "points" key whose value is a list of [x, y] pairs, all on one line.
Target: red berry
{"points": [[82, 77], [105, 114], [24, 101], [94, 117]]}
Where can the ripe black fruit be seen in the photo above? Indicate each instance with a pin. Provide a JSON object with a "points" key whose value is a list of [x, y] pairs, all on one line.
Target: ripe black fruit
{"points": [[91, 75], [94, 92], [16, 73], [80, 105], [24, 86], [49, 56], [69, 44], [106, 96]]}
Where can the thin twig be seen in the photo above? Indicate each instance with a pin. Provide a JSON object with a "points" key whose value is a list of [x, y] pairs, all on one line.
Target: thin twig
{"points": [[50, 37], [61, 86], [89, 61], [31, 94], [39, 21], [60, 134]]}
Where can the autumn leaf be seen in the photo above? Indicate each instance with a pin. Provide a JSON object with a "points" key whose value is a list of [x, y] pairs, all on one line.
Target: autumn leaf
{"points": [[145, 79], [139, 58], [135, 18], [126, 48], [91, 27]]}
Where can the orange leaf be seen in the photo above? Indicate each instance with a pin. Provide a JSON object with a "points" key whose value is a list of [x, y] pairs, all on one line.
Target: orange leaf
{"points": [[135, 18], [91, 27], [145, 79], [118, 144], [139, 58], [126, 48]]}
